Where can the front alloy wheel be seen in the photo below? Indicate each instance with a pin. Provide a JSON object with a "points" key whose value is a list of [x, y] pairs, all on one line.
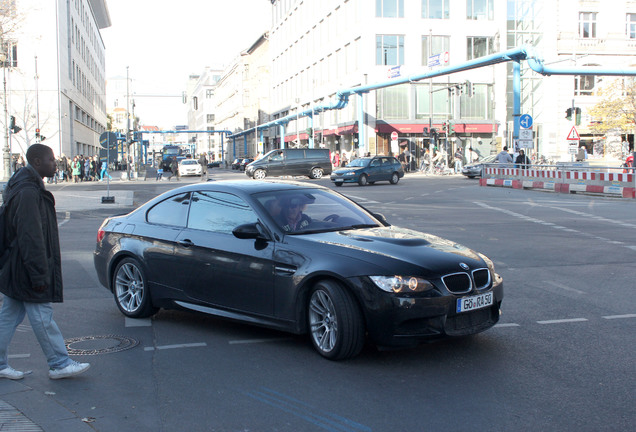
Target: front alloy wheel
{"points": [[335, 321], [395, 178], [130, 290], [364, 180], [260, 174]]}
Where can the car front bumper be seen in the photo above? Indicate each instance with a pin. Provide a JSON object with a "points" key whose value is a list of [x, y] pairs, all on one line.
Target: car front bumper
{"points": [[394, 320]]}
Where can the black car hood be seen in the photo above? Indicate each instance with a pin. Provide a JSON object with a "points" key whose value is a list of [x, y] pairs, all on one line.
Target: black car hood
{"points": [[431, 253]]}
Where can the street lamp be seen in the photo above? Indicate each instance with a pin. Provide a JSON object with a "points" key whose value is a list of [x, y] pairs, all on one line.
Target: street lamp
{"points": [[6, 151]]}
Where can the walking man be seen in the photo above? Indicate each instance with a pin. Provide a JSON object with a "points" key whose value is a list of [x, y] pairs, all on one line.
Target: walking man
{"points": [[31, 278]]}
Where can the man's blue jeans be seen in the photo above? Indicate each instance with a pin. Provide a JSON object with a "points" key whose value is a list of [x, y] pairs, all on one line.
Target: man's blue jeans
{"points": [[45, 329]]}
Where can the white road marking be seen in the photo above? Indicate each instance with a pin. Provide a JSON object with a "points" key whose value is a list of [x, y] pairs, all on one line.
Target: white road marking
{"points": [[611, 317], [67, 218], [176, 346], [507, 325], [564, 287], [561, 321], [134, 322]]}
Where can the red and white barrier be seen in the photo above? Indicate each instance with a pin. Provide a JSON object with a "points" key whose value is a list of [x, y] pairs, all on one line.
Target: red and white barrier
{"points": [[562, 180]]}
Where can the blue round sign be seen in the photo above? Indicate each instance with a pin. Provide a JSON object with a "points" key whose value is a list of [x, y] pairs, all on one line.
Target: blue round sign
{"points": [[525, 121]]}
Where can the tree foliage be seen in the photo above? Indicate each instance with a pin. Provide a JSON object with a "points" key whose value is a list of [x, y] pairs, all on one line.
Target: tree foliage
{"points": [[616, 109]]}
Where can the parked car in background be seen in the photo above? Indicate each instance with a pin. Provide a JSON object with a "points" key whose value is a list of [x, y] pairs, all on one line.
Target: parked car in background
{"points": [[368, 170], [244, 163], [474, 169], [214, 164], [188, 167], [236, 163], [295, 257]]}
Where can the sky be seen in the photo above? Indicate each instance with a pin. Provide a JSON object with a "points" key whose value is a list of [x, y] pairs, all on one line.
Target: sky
{"points": [[163, 42]]}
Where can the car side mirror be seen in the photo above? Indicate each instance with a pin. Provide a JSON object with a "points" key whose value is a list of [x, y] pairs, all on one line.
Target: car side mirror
{"points": [[381, 218], [249, 231]]}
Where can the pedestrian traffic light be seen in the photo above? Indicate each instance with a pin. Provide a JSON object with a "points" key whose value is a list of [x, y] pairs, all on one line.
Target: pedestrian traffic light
{"points": [[568, 113], [577, 116], [37, 133]]}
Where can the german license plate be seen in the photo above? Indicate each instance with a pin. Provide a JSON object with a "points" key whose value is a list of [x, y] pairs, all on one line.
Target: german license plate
{"points": [[474, 302]]}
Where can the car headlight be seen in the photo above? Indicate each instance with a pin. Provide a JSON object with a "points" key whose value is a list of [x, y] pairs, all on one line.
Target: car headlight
{"points": [[350, 173], [401, 284]]}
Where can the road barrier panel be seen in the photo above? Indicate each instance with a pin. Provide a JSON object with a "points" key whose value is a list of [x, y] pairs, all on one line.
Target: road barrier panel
{"points": [[609, 181]]}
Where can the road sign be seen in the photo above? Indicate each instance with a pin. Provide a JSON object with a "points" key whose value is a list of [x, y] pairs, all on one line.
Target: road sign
{"points": [[523, 143], [394, 136], [435, 60], [108, 139], [525, 134], [394, 72], [573, 135], [574, 148], [525, 121]]}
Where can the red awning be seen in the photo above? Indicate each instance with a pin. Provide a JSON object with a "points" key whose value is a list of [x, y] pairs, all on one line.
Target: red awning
{"points": [[347, 130], [290, 138], [474, 128], [406, 128]]}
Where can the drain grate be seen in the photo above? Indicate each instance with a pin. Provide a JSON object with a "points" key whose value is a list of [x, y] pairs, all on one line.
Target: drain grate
{"points": [[93, 345]]}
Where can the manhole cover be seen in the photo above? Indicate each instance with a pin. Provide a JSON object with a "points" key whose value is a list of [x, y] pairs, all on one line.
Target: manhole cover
{"points": [[93, 345]]}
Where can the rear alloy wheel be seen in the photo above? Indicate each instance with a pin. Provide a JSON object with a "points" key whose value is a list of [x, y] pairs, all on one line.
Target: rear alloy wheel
{"points": [[395, 178], [316, 173], [260, 174], [131, 291], [335, 321], [364, 180]]}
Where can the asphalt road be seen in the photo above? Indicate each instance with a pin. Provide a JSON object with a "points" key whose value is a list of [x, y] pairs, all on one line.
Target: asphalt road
{"points": [[561, 359]]}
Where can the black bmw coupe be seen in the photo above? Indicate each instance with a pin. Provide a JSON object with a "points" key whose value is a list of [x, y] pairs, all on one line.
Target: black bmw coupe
{"points": [[299, 258]]}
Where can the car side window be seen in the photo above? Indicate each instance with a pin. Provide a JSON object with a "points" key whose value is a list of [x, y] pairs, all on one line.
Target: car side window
{"points": [[219, 212], [172, 211], [376, 162]]}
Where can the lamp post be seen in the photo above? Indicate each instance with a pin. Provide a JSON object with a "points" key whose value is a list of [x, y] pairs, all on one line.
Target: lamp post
{"points": [[6, 151]]}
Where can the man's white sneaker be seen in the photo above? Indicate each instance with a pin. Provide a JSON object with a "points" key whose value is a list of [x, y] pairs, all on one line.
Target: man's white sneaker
{"points": [[11, 373], [73, 369]]}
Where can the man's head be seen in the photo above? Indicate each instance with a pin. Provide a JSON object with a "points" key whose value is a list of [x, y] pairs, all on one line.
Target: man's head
{"points": [[42, 159], [521, 152], [505, 148]]}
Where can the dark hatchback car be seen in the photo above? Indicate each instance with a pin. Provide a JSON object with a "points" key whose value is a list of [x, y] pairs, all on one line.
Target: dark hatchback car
{"points": [[368, 170], [245, 162], [298, 258]]}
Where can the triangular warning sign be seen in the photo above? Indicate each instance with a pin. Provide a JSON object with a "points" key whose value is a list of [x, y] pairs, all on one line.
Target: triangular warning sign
{"points": [[573, 135]]}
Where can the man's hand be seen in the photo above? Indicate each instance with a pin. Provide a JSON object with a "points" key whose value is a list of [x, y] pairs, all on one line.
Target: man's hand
{"points": [[39, 288]]}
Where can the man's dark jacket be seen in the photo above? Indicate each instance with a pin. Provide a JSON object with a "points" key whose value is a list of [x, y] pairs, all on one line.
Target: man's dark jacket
{"points": [[31, 225]]}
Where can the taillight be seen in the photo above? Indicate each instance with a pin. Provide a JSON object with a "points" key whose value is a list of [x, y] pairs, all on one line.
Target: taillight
{"points": [[100, 235]]}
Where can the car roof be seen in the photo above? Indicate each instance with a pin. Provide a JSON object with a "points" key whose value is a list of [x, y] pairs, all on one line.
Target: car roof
{"points": [[248, 186]]}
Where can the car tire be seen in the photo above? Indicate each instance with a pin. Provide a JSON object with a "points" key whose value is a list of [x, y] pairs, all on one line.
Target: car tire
{"points": [[363, 180], [335, 321], [338, 184], [316, 173], [395, 178], [260, 174], [131, 289]]}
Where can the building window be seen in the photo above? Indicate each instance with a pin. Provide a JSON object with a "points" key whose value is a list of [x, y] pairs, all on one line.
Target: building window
{"points": [[393, 102], [587, 25], [195, 103], [631, 26], [209, 93], [389, 50], [478, 47], [440, 45], [584, 85], [435, 9], [210, 118], [480, 9], [389, 8]]}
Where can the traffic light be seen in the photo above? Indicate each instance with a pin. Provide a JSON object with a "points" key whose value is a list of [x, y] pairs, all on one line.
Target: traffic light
{"points": [[577, 116], [469, 89], [568, 114], [14, 127]]}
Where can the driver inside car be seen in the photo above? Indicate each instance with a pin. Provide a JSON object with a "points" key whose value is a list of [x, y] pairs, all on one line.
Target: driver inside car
{"points": [[292, 217]]}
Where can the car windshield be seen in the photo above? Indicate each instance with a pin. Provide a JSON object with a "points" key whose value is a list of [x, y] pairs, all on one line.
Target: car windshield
{"points": [[308, 211], [359, 162], [189, 162]]}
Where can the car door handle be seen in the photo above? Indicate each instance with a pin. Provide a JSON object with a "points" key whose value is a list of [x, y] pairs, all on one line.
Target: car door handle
{"points": [[185, 243]]}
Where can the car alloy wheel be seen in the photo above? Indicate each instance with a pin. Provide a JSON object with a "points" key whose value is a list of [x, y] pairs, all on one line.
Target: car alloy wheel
{"points": [[335, 321], [130, 290], [259, 174], [316, 173], [395, 178], [363, 181]]}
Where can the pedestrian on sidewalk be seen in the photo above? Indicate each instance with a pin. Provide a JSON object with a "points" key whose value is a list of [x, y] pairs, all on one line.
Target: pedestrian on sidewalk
{"points": [[31, 277]]}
